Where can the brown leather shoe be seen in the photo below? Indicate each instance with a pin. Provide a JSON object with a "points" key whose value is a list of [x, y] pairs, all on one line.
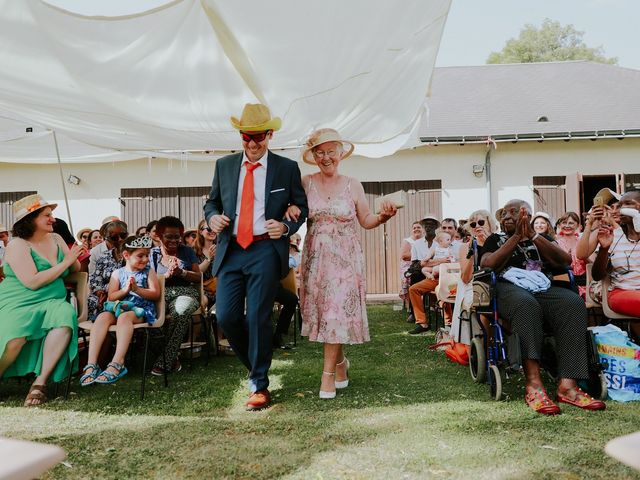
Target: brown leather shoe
{"points": [[259, 400]]}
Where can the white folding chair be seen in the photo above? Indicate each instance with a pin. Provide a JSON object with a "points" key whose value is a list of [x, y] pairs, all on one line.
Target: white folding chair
{"points": [[447, 287]]}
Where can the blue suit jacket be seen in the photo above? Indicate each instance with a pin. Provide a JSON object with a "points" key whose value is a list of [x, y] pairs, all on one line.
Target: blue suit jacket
{"points": [[283, 188]]}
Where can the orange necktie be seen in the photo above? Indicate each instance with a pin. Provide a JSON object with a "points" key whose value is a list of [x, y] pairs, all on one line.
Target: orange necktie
{"points": [[245, 222]]}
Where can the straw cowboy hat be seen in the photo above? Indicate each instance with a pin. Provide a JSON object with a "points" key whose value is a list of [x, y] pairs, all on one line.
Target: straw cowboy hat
{"points": [[256, 118], [321, 136], [29, 204]]}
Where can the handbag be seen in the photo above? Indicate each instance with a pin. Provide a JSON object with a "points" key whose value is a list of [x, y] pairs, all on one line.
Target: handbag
{"points": [[210, 285], [481, 294]]}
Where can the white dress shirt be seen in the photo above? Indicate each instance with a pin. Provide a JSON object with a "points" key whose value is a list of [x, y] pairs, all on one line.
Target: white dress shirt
{"points": [[259, 186]]}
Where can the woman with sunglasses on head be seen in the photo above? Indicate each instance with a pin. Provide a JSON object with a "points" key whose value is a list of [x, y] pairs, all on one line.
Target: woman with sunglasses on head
{"points": [[619, 257], [479, 226], [110, 260], [180, 267], [205, 248]]}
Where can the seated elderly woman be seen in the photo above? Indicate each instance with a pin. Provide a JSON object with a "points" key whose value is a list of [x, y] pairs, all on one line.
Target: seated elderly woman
{"points": [[38, 327], [619, 257], [529, 305]]}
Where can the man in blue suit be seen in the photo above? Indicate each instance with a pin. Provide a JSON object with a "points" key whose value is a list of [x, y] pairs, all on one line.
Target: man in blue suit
{"points": [[250, 194]]}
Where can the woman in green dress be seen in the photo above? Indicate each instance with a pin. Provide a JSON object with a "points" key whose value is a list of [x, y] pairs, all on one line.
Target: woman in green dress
{"points": [[38, 327]]}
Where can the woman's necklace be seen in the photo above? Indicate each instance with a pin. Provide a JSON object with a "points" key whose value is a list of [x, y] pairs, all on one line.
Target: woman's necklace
{"points": [[326, 192]]}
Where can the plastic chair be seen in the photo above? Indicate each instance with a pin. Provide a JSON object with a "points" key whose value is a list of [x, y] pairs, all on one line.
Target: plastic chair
{"points": [[289, 283], [146, 328], [200, 316], [447, 287], [80, 282]]}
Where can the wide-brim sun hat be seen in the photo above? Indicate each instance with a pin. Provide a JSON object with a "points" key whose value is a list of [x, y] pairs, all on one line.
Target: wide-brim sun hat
{"points": [[30, 204], [80, 232], [321, 136], [256, 118]]}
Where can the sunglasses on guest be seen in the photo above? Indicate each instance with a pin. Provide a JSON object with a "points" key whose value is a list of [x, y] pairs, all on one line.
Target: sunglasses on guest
{"points": [[206, 229], [478, 223], [256, 137], [118, 236]]}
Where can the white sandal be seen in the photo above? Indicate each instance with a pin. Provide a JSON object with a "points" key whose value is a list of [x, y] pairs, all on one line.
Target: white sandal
{"points": [[344, 383], [328, 395]]}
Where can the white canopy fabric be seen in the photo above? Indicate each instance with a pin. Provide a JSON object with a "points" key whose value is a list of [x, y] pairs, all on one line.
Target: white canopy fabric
{"points": [[167, 80]]}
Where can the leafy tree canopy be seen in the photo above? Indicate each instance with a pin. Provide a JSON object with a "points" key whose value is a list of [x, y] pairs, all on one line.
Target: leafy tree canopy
{"points": [[550, 43]]}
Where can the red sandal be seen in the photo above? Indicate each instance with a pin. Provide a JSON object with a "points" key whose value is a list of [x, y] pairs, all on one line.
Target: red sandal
{"points": [[539, 401], [583, 400]]}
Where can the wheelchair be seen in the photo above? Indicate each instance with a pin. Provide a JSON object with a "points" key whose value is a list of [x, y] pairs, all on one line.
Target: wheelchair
{"points": [[495, 351]]}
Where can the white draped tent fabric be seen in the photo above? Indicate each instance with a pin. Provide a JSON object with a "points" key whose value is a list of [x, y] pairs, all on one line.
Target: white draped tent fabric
{"points": [[167, 80]]}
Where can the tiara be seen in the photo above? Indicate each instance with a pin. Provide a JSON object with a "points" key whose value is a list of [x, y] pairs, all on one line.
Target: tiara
{"points": [[140, 242]]}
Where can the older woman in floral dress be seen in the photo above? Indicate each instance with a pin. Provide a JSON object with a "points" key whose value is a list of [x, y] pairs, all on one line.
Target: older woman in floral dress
{"points": [[333, 290]]}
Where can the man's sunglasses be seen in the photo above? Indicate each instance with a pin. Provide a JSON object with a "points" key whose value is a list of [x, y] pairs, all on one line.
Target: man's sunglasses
{"points": [[118, 236], [479, 222], [256, 137]]}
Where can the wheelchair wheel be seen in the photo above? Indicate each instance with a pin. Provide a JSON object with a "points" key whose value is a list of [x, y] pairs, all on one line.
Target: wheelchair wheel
{"points": [[495, 382], [478, 361]]}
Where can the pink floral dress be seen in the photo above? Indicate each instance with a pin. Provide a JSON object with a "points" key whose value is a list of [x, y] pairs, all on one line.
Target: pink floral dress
{"points": [[333, 289]]}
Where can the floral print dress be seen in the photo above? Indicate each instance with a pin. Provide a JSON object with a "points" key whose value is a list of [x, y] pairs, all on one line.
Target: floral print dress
{"points": [[333, 289]]}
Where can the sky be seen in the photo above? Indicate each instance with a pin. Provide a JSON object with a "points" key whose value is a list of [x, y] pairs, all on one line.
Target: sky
{"points": [[475, 28]]}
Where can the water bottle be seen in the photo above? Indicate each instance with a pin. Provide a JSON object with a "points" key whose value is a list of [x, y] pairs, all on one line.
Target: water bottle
{"points": [[73, 300]]}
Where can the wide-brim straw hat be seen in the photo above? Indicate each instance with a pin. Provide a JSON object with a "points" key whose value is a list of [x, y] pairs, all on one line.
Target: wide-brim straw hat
{"points": [[256, 118], [81, 231], [29, 204], [321, 136]]}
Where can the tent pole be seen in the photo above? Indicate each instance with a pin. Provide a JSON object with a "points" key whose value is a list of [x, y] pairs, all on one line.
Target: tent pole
{"points": [[64, 188]]}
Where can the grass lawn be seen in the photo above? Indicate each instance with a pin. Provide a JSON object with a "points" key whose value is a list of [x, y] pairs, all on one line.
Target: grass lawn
{"points": [[408, 413]]}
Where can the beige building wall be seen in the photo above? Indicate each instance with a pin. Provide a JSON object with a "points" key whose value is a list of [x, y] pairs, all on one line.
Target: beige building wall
{"points": [[513, 167]]}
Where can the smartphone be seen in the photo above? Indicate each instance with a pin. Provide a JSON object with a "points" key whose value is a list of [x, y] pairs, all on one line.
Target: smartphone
{"points": [[598, 202]]}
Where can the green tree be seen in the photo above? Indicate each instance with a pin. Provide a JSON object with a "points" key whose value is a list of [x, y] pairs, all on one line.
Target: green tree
{"points": [[550, 43]]}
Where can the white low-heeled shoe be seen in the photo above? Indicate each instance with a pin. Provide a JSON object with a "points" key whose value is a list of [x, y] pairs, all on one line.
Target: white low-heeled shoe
{"points": [[328, 395], [344, 383]]}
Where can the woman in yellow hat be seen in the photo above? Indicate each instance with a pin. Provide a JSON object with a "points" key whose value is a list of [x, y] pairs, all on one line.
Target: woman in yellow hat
{"points": [[38, 327]]}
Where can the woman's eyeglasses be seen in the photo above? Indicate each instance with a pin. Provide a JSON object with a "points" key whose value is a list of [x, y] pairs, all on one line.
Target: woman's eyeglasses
{"points": [[191, 235], [479, 222], [84, 237], [256, 137], [118, 236]]}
